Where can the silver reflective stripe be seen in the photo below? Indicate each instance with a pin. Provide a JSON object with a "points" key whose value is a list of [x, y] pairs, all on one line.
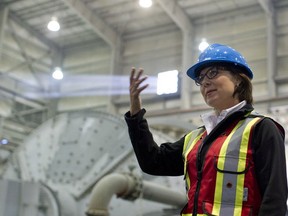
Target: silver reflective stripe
{"points": [[188, 144], [192, 137], [231, 172], [190, 140]]}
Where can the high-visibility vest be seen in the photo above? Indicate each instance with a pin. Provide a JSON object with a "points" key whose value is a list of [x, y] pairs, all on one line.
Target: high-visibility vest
{"points": [[226, 184]]}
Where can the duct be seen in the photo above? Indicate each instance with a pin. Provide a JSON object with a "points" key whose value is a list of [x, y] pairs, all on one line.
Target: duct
{"points": [[270, 11], [178, 15], [130, 187], [3, 20]]}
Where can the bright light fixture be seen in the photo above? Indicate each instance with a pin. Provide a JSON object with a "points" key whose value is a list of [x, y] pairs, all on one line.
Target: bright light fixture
{"points": [[57, 74], [203, 45], [4, 141], [145, 3], [53, 25], [167, 82]]}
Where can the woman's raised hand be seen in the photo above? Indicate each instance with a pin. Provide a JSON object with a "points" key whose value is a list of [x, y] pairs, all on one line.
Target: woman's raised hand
{"points": [[135, 89]]}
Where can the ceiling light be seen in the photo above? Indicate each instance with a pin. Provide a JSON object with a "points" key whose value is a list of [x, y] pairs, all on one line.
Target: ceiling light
{"points": [[53, 25], [145, 3], [57, 74], [4, 141], [203, 45]]}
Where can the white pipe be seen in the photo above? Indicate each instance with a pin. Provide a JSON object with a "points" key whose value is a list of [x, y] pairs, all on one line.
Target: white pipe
{"points": [[103, 191], [157, 193], [128, 186]]}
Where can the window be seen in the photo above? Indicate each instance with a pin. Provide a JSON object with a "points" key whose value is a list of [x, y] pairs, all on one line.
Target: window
{"points": [[167, 82]]}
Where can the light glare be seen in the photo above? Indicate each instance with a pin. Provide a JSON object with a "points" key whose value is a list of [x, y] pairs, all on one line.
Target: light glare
{"points": [[203, 45], [94, 85], [53, 25], [4, 141], [57, 74], [145, 3], [167, 82]]}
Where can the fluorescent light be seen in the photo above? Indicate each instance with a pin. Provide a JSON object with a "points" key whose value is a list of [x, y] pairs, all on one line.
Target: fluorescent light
{"points": [[57, 74], [145, 3], [53, 25], [203, 45], [167, 82]]}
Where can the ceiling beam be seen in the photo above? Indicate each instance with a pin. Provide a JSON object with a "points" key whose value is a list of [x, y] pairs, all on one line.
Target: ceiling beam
{"points": [[12, 88], [33, 32], [177, 14], [26, 58], [267, 6], [99, 26]]}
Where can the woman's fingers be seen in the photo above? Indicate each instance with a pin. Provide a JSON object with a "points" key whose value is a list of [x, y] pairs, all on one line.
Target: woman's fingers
{"points": [[132, 75], [142, 88], [139, 74], [136, 88], [136, 80]]}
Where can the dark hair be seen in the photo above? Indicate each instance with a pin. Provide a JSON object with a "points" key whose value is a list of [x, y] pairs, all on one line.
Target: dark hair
{"points": [[244, 89]]}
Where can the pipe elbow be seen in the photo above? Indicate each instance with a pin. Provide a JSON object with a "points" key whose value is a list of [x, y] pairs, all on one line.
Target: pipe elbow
{"points": [[122, 185]]}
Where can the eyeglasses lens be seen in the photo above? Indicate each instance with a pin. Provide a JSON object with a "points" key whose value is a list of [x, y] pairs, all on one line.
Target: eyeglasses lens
{"points": [[210, 74]]}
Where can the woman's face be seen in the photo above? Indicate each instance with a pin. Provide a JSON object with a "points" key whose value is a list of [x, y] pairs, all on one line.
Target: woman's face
{"points": [[218, 91]]}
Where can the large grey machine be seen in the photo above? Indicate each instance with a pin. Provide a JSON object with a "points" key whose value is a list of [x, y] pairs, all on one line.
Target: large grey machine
{"points": [[82, 163]]}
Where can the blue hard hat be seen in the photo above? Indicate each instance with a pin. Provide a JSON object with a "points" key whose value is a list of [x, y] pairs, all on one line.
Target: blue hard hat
{"points": [[218, 53]]}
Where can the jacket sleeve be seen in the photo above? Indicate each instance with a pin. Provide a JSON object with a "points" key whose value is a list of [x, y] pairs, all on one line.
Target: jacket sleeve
{"points": [[270, 166], [164, 160]]}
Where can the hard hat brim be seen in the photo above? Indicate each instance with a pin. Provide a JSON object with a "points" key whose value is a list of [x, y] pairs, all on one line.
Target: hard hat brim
{"points": [[194, 71]]}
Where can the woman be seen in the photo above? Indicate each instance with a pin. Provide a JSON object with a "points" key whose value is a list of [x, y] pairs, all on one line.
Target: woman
{"points": [[235, 163]]}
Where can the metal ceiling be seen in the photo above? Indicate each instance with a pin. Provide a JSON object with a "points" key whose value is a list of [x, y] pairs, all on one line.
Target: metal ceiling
{"points": [[85, 22]]}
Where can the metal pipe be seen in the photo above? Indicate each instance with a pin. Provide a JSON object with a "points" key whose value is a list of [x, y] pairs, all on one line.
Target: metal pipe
{"points": [[128, 186], [103, 191], [157, 193]]}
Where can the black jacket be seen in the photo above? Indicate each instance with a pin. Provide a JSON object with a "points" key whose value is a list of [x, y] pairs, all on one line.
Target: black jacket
{"points": [[268, 154]]}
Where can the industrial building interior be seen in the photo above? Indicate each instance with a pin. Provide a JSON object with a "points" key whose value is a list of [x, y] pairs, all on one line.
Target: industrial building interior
{"points": [[64, 142]]}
